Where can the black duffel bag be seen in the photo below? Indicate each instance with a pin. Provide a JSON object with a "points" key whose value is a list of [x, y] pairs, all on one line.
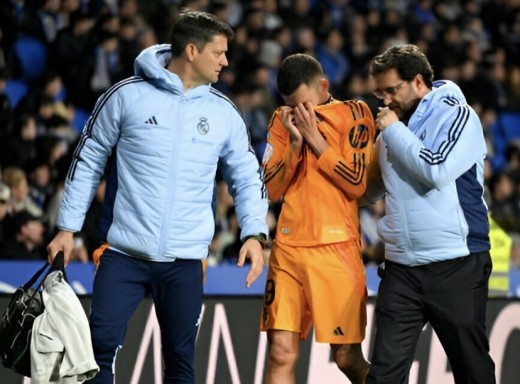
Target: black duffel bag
{"points": [[16, 325]]}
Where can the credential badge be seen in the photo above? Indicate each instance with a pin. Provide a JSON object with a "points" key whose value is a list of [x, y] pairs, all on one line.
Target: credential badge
{"points": [[203, 126]]}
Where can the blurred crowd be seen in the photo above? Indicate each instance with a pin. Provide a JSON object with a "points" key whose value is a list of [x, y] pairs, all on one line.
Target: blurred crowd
{"points": [[58, 56]]}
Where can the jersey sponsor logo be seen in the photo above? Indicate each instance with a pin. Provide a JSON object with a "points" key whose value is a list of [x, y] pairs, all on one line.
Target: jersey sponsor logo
{"points": [[203, 126], [358, 136]]}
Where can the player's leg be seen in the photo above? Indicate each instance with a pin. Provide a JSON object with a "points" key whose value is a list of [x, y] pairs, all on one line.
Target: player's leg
{"points": [[284, 351], [350, 360], [336, 284], [282, 313]]}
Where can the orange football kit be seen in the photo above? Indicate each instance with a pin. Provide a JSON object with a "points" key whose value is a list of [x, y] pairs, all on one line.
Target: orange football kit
{"points": [[316, 274]]}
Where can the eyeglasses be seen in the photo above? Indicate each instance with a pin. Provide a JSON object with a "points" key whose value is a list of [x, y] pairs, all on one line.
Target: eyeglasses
{"points": [[380, 93]]}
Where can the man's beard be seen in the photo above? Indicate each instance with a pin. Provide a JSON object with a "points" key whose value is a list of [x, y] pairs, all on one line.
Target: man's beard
{"points": [[407, 113]]}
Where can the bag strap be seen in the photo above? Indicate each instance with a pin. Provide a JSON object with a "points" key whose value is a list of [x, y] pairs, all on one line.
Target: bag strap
{"points": [[36, 276], [58, 264]]}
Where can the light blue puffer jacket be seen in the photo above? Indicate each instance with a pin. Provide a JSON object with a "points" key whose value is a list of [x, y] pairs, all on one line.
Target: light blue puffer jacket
{"points": [[161, 147], [433, 181]]}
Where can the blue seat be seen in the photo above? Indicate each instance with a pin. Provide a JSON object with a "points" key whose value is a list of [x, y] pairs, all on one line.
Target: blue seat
{"points": [[80, 119], [30, 55], [15, 90], [504, 130]]}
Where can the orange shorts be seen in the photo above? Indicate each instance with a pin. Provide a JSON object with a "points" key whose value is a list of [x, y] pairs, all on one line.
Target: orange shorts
{"points": [[324, 286]]}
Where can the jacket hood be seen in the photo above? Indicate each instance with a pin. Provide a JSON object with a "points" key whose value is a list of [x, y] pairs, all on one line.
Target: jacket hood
{"points": [[151, 64], [443, 89]]}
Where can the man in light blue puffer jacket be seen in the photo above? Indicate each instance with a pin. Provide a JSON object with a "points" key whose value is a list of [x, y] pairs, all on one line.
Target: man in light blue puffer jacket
{"points": [[159, 136], [430, 156]]}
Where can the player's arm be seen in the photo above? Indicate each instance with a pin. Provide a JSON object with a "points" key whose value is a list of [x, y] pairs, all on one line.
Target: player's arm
{"points": [[281, 158], [348, 170], [375, 189]]}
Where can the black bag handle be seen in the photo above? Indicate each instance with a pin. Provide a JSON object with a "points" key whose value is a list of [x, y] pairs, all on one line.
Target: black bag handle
{"points": [[57, 264]]}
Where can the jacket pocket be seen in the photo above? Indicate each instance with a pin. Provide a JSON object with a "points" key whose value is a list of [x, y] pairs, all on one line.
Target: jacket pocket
{"points": [[47, 340]]}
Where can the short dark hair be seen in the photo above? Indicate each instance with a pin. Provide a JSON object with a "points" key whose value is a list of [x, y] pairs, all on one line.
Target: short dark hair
{"points": [[21, 218], [407, 59], [195, 27], [295, 70]]}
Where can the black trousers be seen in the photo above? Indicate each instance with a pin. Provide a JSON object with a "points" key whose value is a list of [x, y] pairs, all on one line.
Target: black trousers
{"points": [[452, 296]]}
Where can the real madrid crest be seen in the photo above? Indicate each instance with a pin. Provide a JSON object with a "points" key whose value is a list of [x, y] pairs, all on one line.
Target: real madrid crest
{"points": [[203, 126]]}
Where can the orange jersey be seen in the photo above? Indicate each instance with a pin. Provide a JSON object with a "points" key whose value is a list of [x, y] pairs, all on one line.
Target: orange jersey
{"points": [[319, 195]]}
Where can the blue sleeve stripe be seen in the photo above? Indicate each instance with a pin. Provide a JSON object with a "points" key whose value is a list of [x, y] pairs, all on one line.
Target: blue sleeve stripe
{"points": [[92, 119], [250, 149], [446, 146], [224, 97]]}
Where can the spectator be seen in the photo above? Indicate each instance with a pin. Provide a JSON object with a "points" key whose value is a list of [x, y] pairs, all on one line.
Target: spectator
{"points": [[5, 195], [6, 108], [248, 99], [330, 54], [68, 56], [230, 239], [43, 20], [19, 148], [514, 260], [505, 202], [40, 184], [16, 180], [27, 238]]}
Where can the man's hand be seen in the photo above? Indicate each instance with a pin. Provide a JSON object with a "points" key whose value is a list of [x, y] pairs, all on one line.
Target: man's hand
{"points": [[252, 249], [385, 117], [63, 241], [287, 117], [307, 124]]}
